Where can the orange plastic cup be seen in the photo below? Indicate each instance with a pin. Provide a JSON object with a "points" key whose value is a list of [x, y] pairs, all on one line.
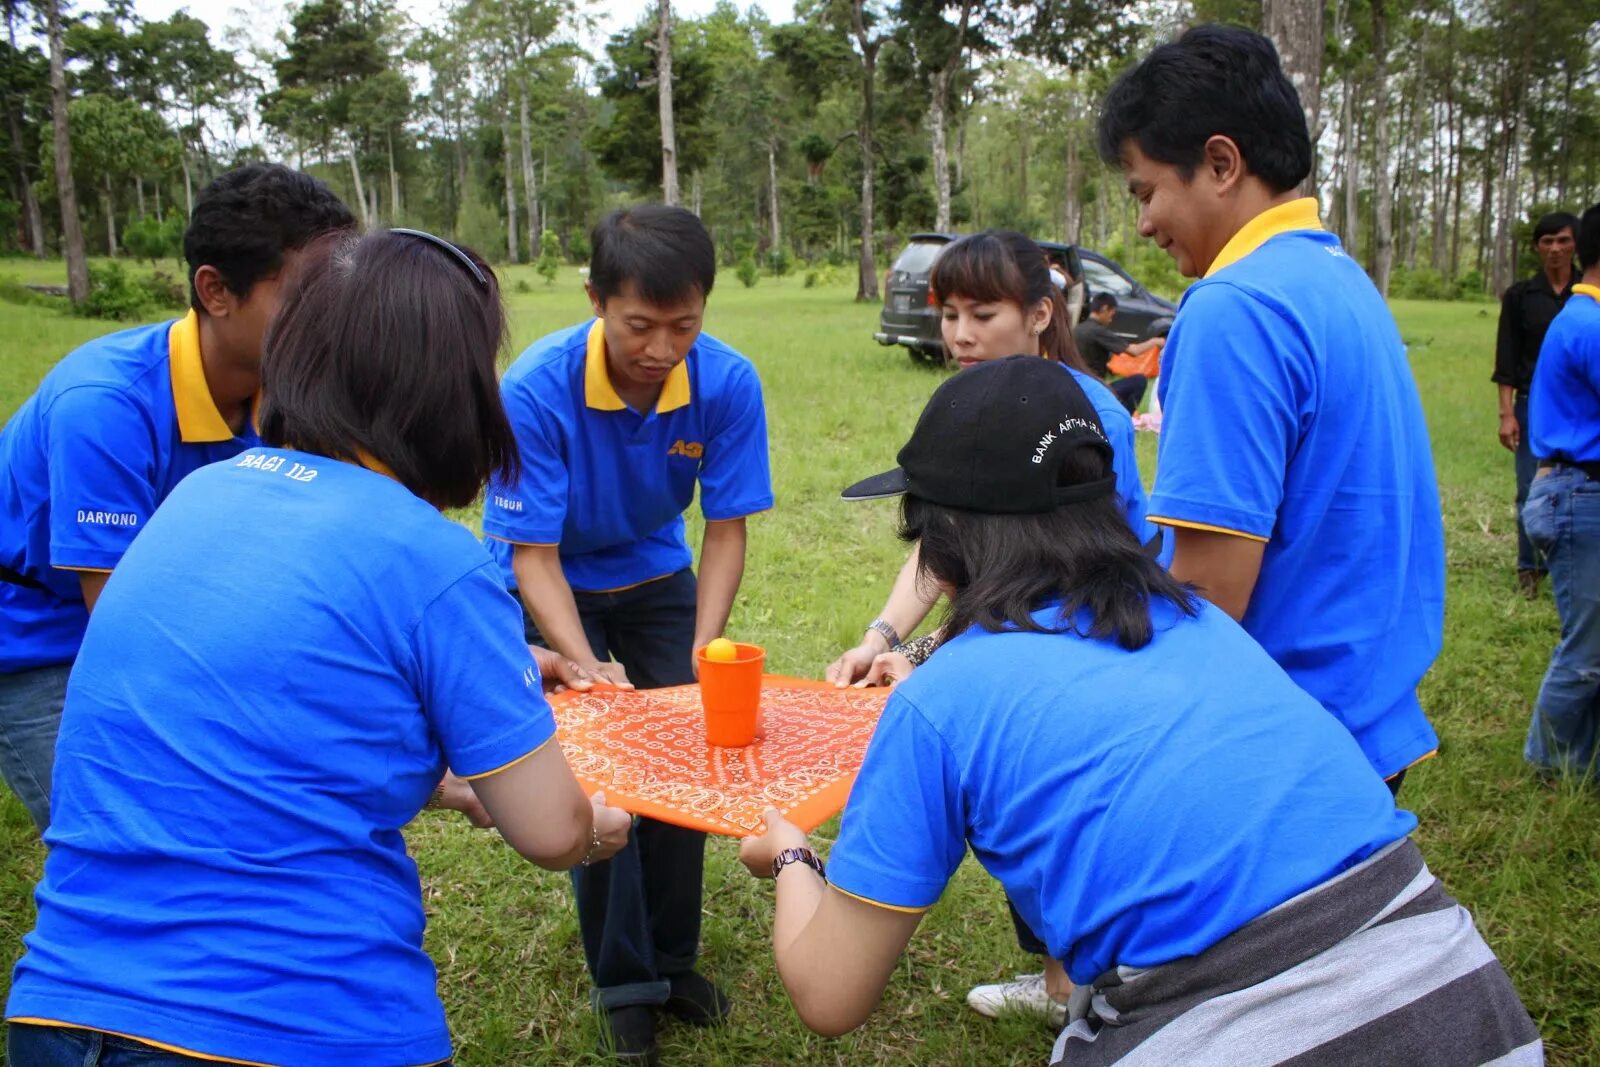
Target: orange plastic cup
{"points": [[730, 692]]}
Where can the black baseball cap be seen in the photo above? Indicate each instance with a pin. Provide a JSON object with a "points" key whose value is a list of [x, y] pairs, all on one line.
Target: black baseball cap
{"points": [[995, 439]]}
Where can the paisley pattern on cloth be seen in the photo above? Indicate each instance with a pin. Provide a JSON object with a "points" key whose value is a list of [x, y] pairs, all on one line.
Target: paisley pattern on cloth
{"points": [[647, 750]]}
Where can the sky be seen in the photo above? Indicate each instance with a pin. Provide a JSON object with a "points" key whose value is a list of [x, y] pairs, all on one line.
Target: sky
{"points": [[259, 20]]}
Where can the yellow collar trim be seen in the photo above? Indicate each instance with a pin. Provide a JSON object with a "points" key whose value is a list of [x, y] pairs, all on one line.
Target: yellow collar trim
{"points": [[1590, 291], [198, 417], [1301, 214], [601, 395]]}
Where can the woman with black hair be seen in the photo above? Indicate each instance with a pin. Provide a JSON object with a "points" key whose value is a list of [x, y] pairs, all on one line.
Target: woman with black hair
{"points": [[1201, 844], [271, 686]]}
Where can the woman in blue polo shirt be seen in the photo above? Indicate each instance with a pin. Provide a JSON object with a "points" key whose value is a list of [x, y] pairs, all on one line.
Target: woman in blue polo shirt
{"points": [[1206, 850], [997, 299], [274, 680]]}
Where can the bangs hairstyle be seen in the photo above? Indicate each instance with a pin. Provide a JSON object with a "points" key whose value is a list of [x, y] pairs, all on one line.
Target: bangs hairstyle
{"points": [[1002, 568], [386, 348], [666, 252], [1003, 266], [1213, 80]]}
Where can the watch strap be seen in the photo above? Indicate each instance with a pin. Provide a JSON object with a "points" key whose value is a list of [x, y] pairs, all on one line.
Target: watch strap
{"points": [[799, 855]]}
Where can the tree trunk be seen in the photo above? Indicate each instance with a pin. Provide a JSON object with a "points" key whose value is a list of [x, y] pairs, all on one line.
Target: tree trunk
{"points": [[138, 187], [695, 190], [361, 196], [1295, 26], [669, 136], [867, 274], [66, 190], [1383, 186], [188, 184], [772, 194], [1350, 147], [33, 217], [111, 218], [394, 181], [937, 108], [511, 189], [530, 179]]}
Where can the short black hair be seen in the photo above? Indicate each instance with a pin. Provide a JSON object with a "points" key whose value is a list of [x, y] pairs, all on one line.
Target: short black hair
{"points": [[1101, 301], [1212, 80], [1002, 568], [246, 219], [664, 251], [1588, 232], [386, 347], [1554, 223]]}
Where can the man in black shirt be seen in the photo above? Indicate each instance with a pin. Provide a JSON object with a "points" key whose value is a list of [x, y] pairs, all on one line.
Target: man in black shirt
{"points": [[1525, 315], [1097, 344]]}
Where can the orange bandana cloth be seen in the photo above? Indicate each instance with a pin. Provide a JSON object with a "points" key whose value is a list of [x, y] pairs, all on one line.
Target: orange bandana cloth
{"points": [[647, 750]]}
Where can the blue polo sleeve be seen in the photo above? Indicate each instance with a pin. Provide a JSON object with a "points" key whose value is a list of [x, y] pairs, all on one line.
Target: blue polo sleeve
{"points": [[102, 482], [904, 831], [533, 510], [736, 474], [1231, 414], [479, 685]]}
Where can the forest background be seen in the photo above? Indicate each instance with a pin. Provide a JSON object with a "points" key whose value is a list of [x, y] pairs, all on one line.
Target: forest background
{"points": [[1442, 127]]}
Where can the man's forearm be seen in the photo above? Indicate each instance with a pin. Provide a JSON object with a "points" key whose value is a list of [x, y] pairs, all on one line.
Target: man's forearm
{"points": [[1508, 401], [722, 552], [548, 598]]}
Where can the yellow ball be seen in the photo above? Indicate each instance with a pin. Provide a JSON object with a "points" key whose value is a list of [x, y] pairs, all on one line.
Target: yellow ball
{"points": [[722, 651]]}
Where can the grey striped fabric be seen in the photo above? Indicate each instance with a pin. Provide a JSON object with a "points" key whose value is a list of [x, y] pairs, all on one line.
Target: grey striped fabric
{"points": [[1377, 966]]}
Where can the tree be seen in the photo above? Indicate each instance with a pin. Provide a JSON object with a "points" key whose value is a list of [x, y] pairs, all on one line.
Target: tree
{"points": [[1295, 26], [625, 142], [115, 141], [663, 80], [25, 74], [66, 190], [869, 43], [1383, 192]]}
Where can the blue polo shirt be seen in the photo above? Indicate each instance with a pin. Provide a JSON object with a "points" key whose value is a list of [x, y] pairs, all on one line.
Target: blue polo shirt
{"points": [[1137, 806], [1291, 418], [609, 484], [83, 464], [249, 724], [1118, 427], [1564, 403]]}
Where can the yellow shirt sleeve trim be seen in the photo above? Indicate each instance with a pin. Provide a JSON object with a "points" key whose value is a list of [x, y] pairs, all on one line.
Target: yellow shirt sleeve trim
{"points": [[163, 1046], [1299, 214], [1420, 759], [1207, 527], [507, 766], [740, 518], [523, 544], [877, 903], [82, 570]]}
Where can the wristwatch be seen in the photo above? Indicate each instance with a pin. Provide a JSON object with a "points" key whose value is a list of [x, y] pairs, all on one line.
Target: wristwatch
{"points": [[886, 630], [798, 855]]}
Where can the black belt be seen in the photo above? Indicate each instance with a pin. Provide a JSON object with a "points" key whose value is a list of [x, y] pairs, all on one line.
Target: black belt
{"points": [[1589, 467], [11, 577]]}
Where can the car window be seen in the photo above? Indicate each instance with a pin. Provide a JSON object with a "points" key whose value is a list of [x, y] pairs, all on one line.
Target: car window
{"points": [[1102, 279], [918, 257]]}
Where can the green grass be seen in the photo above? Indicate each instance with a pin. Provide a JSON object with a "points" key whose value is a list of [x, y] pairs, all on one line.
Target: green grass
{"points": [[1523, 858]]}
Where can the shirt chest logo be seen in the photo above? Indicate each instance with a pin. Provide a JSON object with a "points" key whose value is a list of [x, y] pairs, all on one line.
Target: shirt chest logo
{"points": [[691, 449]]}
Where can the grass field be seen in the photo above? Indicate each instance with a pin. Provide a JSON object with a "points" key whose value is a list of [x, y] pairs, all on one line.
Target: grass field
{"points": [[1524, 858]]}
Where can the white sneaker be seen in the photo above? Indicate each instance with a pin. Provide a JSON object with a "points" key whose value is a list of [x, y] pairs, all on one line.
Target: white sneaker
{"points": [[1025, 993]]}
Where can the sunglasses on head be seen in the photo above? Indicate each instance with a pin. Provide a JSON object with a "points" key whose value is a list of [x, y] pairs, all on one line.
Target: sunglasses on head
{"points": [[460, 256]]}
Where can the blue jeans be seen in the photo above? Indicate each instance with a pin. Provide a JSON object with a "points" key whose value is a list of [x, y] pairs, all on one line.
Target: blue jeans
{"points": [[639, 912], [30, 718], [1563, 520], [66, 1046], [1527, 557]]}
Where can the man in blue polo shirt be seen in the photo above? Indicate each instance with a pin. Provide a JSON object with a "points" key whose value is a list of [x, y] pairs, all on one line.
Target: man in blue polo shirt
{"points": [[1294, 467], [617, 419], [116, 425], [1562, 517]]}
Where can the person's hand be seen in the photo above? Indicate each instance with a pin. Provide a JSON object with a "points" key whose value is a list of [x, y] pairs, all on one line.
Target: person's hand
{"points": [[607, 673], [611, 826], [757, 853], [889, 669], [1057, 986], [457, 795], [853, 665], [557, 672], [1510, 432]]}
